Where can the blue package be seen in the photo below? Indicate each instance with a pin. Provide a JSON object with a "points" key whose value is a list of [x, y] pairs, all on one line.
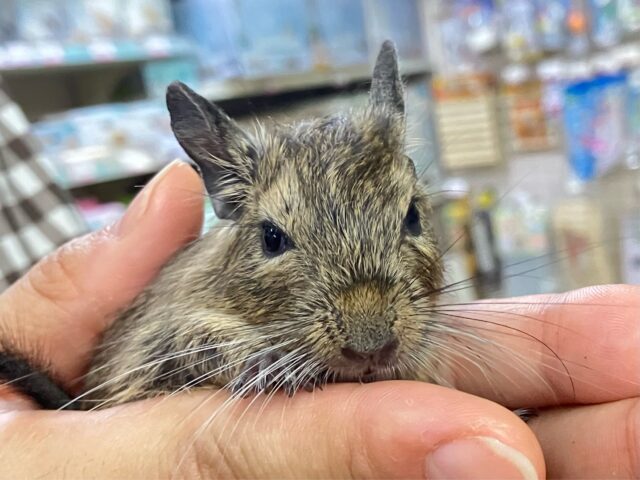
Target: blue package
{"points": [[213, 27], [160, 73], [274, 36], [606, 29], [400, 21], [339, 31], [594, 118]]}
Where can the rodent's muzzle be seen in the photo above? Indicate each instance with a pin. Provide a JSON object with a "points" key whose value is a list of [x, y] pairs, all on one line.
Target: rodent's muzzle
{"points": [[376, 356], [365, 318]]}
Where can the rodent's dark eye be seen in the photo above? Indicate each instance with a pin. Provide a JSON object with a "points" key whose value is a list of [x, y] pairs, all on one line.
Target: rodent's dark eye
{"points": [[412, 220], [274, 240]]}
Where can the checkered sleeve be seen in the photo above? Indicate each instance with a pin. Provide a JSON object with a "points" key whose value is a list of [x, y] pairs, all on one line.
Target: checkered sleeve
{"points": [[36, 215]]}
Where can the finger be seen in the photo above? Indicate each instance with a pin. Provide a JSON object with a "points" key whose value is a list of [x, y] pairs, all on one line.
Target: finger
{"points": [[595, 441], [547, 349], [381, 430], [68, 298]]}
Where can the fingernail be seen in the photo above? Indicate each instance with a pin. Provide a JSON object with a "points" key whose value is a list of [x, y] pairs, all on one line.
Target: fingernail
{"points": [[140, 204], [478, 457]]}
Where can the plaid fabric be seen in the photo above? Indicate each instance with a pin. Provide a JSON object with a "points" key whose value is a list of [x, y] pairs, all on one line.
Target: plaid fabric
{"points": [[36, 215]]}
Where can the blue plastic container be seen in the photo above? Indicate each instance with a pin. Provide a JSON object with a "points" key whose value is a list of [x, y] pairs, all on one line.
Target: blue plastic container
{"points": [[595, 124]]}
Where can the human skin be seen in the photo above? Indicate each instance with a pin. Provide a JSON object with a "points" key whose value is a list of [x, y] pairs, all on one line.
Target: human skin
{"points": [[379, 430]]}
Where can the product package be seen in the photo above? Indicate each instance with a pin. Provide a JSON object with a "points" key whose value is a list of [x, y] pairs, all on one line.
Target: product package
{"points": [[213, 27], [466, 112], [594, 119], [479, 18], [551, 23], [524, 245], [339, 33], [578, 27], [606, 29], [456, 57], [519, 35], [551, 74], [275, 36], [579, 233], [93, 20], [483, 235], [629, 14], [522, 97], [42, 20], [144, 18], [95, 144], [400, 21], [160, 73]]}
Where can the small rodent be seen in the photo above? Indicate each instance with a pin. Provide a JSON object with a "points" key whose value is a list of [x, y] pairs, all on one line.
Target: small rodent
{"points": [[321, 268]]}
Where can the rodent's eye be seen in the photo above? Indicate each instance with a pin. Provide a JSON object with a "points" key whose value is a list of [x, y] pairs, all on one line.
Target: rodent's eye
{"points": [[412, 220], [274, 241]]}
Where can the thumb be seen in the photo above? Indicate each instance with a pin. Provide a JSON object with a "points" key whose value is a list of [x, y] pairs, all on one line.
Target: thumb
{"points": [[66, 300], [380, 430]]}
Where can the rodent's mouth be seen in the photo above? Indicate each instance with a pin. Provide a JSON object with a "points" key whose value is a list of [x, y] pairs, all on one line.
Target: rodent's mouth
{"points": [[365, 375]]}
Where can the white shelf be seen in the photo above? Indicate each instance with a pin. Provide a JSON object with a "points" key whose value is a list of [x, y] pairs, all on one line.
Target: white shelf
{"points": [[100, 164], [297, 81], [20, 58], [93, 165]]}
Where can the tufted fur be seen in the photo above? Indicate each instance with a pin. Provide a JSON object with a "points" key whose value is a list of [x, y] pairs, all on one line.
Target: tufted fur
{"points": [[224, 314]]}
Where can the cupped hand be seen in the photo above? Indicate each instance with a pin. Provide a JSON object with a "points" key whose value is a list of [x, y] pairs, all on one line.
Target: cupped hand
{"points": [[385, 429], [574, 356]]}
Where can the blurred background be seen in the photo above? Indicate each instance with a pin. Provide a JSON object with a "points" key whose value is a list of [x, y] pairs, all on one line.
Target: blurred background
{"points": [[524, 115]]}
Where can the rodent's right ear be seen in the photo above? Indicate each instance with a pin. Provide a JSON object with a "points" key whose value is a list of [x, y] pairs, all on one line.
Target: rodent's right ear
{"points": [[222, 151], [386, 83]]}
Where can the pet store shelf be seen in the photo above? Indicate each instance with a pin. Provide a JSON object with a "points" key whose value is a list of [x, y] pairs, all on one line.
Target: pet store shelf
{"points": [[233, 88], [20, 58], [92, 165]]}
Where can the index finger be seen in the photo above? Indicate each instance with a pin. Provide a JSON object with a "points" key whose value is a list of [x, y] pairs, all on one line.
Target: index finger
{"points": [[579, 347]]}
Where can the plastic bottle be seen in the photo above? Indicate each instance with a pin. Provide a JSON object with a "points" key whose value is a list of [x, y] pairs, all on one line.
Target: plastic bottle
{"points": [[487, 261]]}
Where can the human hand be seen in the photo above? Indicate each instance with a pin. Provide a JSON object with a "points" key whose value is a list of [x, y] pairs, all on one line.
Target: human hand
{"points": [[388, 429], [385, 429], [576, 356]]}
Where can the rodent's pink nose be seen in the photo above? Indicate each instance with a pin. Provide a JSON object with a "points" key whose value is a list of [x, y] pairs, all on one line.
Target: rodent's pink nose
{"points": [[377, 356]]}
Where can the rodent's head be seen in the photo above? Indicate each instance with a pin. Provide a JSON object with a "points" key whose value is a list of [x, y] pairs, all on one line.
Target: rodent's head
{"points": [[331, 250]]}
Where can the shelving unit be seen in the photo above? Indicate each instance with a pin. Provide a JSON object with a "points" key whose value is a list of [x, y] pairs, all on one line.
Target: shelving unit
{"points": [[20, 58], [235, 88], [85, 166]]}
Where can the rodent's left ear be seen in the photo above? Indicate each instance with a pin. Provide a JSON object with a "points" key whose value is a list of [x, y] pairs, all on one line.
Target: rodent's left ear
{"points": [[386, 84], [222, 151]]}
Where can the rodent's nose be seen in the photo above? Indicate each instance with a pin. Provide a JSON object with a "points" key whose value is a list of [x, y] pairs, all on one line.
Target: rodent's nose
{"points": [[377, 356]]}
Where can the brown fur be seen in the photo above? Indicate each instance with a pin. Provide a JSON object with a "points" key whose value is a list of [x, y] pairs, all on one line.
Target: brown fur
{"points": [[340, 187]]}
